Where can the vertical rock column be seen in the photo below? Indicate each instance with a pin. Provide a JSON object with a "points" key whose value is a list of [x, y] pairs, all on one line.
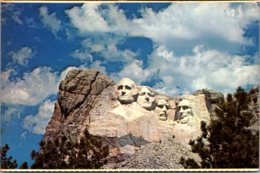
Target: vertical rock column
{"points": [[77, 95]]}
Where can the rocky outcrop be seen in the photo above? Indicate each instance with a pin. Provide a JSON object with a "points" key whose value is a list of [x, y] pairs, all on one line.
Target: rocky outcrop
{"points": [[214, 101], [88, 99], [78, 93]]}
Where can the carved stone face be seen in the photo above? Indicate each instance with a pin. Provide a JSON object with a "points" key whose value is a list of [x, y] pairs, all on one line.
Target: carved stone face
{"points": [[185, 110], [161, 109], [125, 91], [145, 98]]}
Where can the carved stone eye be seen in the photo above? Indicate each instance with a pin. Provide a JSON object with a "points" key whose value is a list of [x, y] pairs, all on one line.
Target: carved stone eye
{"points": [[142, 94], [128, 87], [120, 87], [150, 94], [185, 107], [161, 106]]}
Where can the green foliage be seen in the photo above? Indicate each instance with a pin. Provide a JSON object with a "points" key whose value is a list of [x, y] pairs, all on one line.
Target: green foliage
{"points": [[63, 153], [230, 143], [7, 162]]}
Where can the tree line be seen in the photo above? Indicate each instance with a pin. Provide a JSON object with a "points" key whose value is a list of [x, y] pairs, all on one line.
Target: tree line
{"points": [[62, 153], [228, 141]]}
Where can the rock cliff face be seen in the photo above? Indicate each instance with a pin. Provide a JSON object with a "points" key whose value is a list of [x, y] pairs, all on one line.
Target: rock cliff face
{"points": [[254, 106], [214, 101], [78, 93], [112, 119], [127, 116]]}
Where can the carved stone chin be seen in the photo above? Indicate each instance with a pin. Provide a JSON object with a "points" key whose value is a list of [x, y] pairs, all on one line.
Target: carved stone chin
{"points": [[126, 91], [145, 98], [161, 109]]}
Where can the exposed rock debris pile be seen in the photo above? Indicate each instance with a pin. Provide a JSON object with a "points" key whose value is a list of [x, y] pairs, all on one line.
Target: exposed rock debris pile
{"points": [[164, 155]]}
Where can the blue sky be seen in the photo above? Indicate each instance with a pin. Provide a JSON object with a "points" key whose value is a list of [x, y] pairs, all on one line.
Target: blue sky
{"points": [[175, 48]]}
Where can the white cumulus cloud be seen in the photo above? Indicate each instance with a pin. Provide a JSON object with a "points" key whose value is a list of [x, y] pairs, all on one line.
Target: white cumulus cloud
{"points": [[22, 55], [92, 17], [98, 66], [50, 20], [194, 43], [37, 123], [83, 56], [106, 47], [31, 89], [180, 26], [134, 71], [87, 18], [195, 21], [203, 69]]}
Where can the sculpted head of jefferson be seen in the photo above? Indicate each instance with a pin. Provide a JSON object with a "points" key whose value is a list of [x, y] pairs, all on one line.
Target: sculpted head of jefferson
{"points": [[145, 98], [161, 108]]}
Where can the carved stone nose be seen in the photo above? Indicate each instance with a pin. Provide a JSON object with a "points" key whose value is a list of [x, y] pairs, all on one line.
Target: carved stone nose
{"points": [[123, 93], [147, 99]]}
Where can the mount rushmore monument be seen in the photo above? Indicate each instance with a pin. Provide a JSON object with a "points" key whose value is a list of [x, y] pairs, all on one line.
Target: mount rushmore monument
{"points": [[128, 116]]}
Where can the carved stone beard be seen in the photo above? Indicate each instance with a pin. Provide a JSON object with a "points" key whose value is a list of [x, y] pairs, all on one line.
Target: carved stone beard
{"points": [[161, 109], [146, 98], [126, 91]]}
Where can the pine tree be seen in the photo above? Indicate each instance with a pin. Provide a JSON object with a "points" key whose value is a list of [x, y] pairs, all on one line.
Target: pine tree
{"points": [[7, 162], [63, 153], [24, 165], [231, 143]]}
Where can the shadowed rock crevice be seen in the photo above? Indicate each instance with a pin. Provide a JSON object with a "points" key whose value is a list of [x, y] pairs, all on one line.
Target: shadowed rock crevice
{"points": [[78, 99], [75, 88], [129, 139]]}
